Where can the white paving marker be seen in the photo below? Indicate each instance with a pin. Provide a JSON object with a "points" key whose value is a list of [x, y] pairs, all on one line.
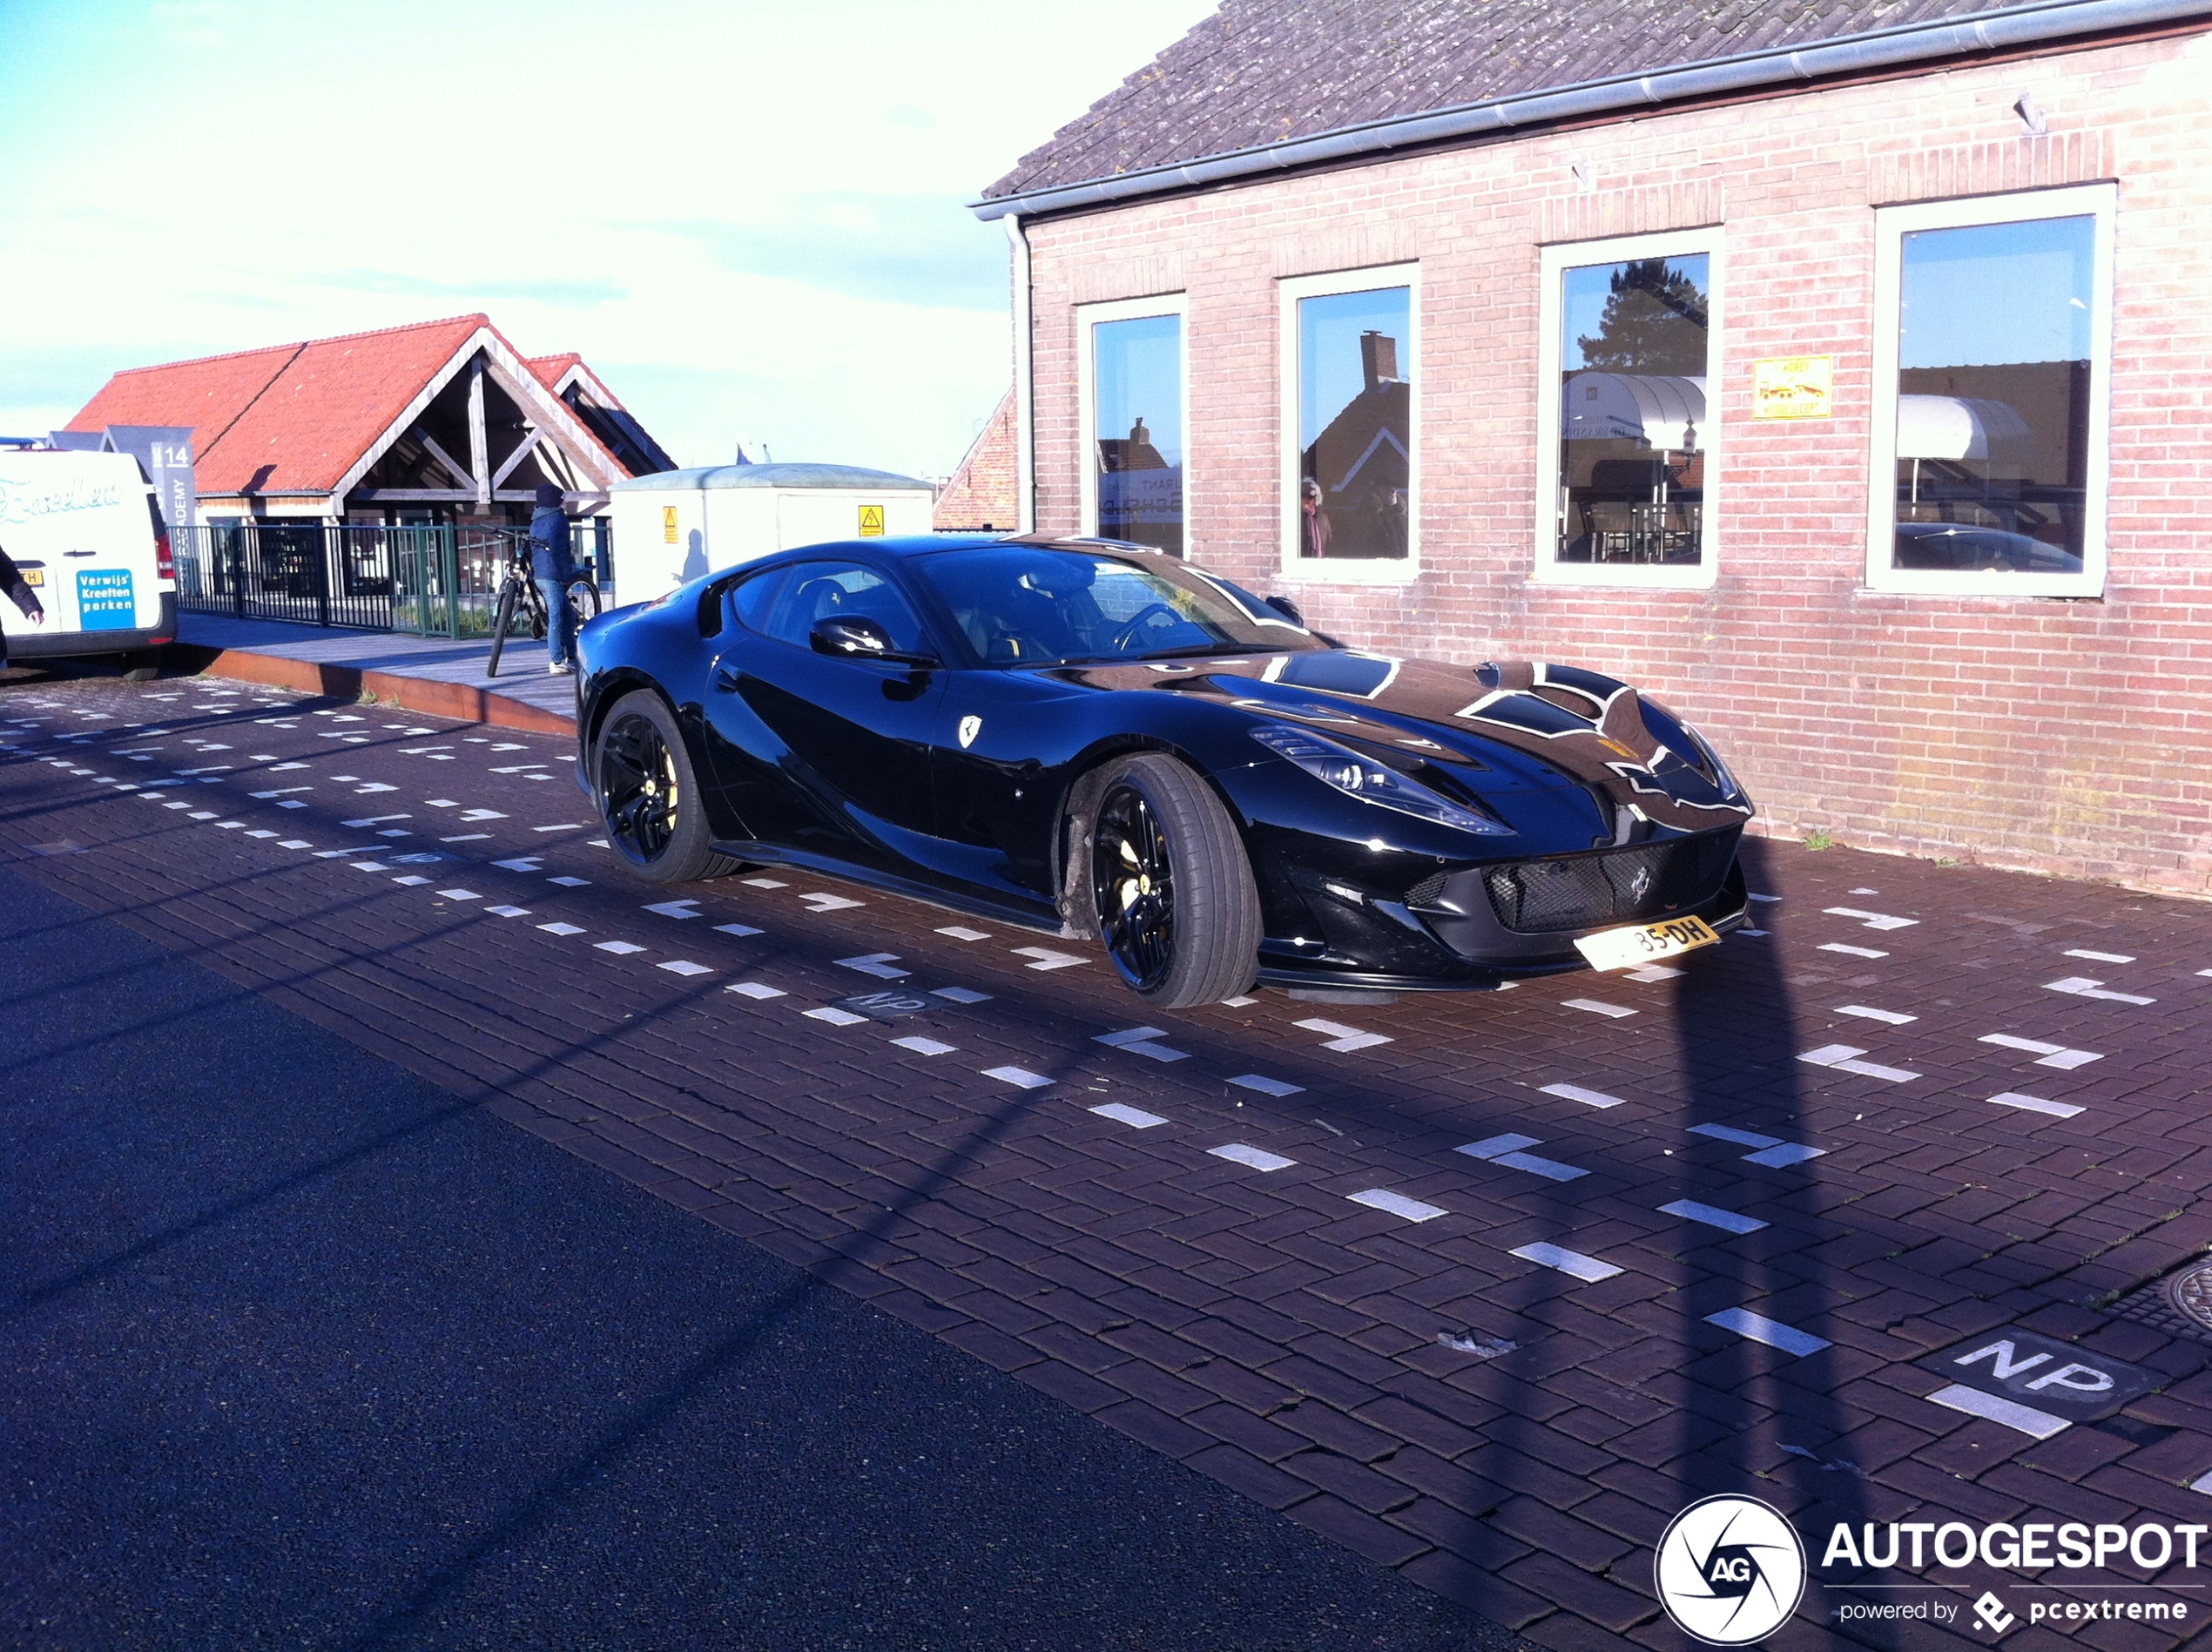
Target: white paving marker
{"points": [[1597, 1008], [411, 878], [753, 989], [2056, 1055], [764, 883], [1866, 1012], [1844, 1058], [1046, 957], [2036, 1425], [1138, 1041], [1870, 920], [2082, 986], [2101, 957], [737, 929], [620, 948], [1257, 1158], [1379, 1198], [685, 966], [560, 929], [875, 963], [835, 1017], [1652, 972], [1134, 1117], [1589, 1270], [572, 883], [1712, 1216], [1342, 1037], [1729, 1133], [1264, 1085], [1576, 1093], [522, 863], [1759, 1328], [822, 900], [1782, 1157], [1505, 1150], [1020, 1076], [1852, 951], [459, 895], [959, 995], [370, 865], [961, 932], [508, 912], [2036, 1104], [921, 1046]]}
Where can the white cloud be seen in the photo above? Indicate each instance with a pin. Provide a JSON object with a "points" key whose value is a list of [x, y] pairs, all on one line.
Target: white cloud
{"points": [[747, 216]]}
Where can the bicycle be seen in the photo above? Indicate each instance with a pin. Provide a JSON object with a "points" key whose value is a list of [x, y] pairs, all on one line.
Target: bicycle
{"points": [[582, 593]]}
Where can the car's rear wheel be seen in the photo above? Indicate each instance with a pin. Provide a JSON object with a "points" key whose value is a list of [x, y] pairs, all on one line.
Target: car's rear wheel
{"points": [[1170, 892], [641, 775]]}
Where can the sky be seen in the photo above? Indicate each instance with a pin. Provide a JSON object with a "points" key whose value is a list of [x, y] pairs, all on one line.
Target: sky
{"points": [[748, 217]]}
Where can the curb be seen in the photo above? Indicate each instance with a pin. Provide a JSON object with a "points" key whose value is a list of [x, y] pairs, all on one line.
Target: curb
{"points": [[424, 694]]}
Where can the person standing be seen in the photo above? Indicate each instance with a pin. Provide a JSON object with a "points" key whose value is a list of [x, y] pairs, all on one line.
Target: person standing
{"points": [[1313, 521], [553, 566], [19, 589]]}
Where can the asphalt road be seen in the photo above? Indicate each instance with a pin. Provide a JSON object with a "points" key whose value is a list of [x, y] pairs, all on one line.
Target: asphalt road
{"points": [[300, 1350]]}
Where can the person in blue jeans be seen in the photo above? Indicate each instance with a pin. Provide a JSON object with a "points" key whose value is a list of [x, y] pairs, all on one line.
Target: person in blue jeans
{"points": [[553, 566]]}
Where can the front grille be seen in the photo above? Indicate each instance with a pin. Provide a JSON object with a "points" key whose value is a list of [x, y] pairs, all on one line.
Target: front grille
{"points": [[1425, 891], [1615, 886]]}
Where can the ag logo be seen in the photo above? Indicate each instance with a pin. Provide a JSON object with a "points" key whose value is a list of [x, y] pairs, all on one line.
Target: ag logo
{"points": [[1729, 1570], [969, 728]]}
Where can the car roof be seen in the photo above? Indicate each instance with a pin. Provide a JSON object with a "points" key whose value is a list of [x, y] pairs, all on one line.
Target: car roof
{"points": [[904, 545]]}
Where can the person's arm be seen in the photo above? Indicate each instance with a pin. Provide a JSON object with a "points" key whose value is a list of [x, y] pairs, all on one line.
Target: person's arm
{"points": [[19, 589]]}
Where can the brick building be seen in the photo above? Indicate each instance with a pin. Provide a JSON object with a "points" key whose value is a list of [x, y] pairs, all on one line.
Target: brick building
{"points": [[984, 491], [1840, 376]]}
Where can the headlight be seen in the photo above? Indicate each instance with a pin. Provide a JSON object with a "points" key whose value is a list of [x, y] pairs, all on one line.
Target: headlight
{"points": [[1370, 781]]}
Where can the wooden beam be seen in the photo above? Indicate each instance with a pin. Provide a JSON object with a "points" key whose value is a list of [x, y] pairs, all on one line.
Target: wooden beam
{"points": [[479, 454], [443, 458], [522, 452], [415, 496]]}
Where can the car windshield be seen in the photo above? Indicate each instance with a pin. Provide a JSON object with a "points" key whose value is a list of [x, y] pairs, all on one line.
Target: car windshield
{"points": [[1037, 605]]}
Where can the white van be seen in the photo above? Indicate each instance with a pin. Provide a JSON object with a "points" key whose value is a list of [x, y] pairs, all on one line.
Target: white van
{"points": [[85, 531]]}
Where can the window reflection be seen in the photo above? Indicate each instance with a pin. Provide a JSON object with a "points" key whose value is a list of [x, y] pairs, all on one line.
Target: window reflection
{"points": [[1993, 386], [1138, 416], [1634, 354], [1355, 423]]}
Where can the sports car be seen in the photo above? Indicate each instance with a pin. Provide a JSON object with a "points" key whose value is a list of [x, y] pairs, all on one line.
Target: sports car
{"points": [[1096, 740]]}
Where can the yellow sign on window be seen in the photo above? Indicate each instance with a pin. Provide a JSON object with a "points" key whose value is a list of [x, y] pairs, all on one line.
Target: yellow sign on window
{"points": [[1792, 386], [871, 521]]}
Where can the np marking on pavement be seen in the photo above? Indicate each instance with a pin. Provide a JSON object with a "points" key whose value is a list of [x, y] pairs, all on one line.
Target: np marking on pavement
{"points": [[1342, 1037], [890, 1003], [1758, 1328], [2034, 1383], [1588, 1269], [1505, 1150], [2082, 986], [2056, 1055], [1844, 1058]]}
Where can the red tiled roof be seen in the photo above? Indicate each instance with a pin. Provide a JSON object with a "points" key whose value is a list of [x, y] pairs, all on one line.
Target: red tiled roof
{"points": [[290, 419], [549, 369]]}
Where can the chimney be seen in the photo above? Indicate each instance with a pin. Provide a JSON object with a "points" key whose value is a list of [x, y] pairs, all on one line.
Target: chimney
{"points": [[1378, 359]]}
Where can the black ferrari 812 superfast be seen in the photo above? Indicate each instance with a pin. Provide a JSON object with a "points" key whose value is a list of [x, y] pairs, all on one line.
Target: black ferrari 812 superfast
{"points": [[1092, 738]]}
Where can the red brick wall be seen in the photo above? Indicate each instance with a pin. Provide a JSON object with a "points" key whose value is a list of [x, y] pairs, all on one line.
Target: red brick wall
{"points": [[2069, 736], [984, 491]]}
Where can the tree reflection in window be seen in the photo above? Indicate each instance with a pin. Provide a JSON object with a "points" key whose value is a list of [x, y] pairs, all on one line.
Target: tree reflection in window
{"points": [[1634, 354]]}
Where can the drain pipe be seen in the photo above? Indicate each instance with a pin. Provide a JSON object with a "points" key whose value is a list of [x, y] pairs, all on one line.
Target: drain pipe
{"points": [[1025, 441]]}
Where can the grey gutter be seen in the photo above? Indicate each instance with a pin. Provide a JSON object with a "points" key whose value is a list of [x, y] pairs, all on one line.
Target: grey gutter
{"points": [[1779, 65]]}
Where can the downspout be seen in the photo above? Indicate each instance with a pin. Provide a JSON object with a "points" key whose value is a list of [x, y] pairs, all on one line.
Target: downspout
{"points": [[1025, 443]]}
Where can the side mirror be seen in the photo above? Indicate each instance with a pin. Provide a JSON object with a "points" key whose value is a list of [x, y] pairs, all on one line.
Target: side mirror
{"points": [[857, 636], [1286, 608]]}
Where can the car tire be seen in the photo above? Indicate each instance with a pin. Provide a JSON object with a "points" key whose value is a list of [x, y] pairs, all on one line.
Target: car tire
{"points": [[648, 795], [1165, 885]]}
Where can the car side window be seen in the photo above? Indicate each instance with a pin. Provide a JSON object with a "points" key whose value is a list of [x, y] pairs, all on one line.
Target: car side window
{"points": [[819, 590], [750, 599]]}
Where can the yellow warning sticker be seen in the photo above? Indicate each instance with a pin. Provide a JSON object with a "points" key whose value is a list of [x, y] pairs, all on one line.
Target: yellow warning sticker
{"points": [[668, 524], [1792, 386], [871, 521]]}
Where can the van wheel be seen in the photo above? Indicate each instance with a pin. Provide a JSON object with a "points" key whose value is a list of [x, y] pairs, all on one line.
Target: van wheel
{"points": [[141, 667], [1170, 892]]}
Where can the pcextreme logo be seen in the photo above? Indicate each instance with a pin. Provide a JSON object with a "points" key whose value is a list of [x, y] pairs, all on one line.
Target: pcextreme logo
{"points": [[1729, 1570]]}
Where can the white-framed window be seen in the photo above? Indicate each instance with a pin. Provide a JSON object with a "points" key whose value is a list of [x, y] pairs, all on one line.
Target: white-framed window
{"points": [[1132, 395], [1628, 439], [1992, 350], [1350, 461]]}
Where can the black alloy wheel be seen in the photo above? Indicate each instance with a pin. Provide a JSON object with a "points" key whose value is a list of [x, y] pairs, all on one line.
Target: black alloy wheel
{"points": [[647, 795], [1170, 892]]}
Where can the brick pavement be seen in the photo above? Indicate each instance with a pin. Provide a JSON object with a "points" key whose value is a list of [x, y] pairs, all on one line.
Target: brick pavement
{"points": [[1324, 1336]]}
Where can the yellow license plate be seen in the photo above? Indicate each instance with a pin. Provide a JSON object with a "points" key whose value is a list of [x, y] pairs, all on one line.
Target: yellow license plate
{"points": [[1626, 948], [34, 575]]}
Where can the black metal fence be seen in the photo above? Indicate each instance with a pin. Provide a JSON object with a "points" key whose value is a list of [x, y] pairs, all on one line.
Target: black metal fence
{"points": [[435, 581]]}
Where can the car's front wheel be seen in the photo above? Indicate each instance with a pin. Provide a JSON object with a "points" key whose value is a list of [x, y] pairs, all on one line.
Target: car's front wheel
{"points": [[1170, 892], [641, 775]]}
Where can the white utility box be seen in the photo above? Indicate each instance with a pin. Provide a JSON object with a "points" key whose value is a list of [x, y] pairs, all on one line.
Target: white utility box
{"points": [[672, 528]]}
